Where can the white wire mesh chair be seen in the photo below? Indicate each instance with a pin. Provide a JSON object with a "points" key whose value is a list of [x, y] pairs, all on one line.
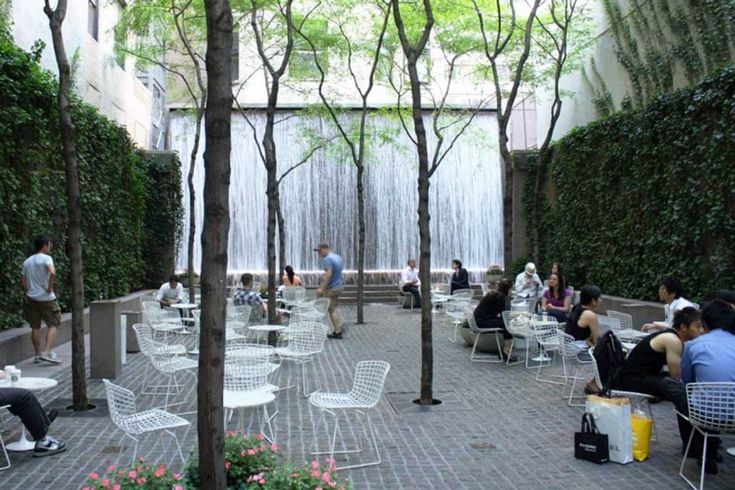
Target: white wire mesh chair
{"points": [[622, 325], [406, 299], [166, 359], [462, 294], [579, 359], [246, 386], [293, 295], [121, 403], [2, 445], [622, 393], [365, 394], [457, 311], [238, 317], [305, 341], [546, 335], [439, 295], [711, 409], [518, 326], [310, 311], [480, 332]]}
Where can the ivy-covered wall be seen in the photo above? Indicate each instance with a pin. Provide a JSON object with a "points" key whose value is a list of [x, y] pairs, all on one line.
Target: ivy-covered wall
{"points": [[649, 192], [121, 200]]}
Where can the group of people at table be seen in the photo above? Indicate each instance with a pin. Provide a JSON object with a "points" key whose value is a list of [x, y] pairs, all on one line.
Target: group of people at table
{"points": [[689, 345]]}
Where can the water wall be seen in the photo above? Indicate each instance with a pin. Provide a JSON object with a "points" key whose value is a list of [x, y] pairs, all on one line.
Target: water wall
{"points": [[319, 198]]}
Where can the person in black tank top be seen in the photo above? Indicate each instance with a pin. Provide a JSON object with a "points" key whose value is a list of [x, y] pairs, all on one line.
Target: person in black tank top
{"points": [[642, 371]]}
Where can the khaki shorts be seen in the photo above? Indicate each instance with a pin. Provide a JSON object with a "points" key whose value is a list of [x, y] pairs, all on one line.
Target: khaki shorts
{"points": [[333, 295], [47, 311]]}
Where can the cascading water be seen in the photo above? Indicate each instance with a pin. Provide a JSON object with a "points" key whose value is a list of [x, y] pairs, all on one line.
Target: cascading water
{"points": [[319, 203]]}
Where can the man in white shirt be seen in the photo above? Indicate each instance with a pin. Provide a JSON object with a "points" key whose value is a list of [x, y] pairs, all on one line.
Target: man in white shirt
{"points": [[410, 282], [527, 283], [37, 281], [670, 292], [170, 292]]}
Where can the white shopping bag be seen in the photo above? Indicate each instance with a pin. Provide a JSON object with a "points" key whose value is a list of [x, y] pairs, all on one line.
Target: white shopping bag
{"points": [[612, 416]]}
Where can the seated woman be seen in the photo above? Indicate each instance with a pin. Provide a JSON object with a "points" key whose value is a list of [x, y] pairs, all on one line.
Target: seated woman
{"points": [[582, 323], [290, 278], [460, 277], [488, 313], [556, 300]]}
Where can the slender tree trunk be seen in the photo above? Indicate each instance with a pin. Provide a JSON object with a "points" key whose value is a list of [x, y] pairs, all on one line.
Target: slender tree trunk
{"points": [[269, 146], [192, 201], [507, 184], [210, 414], [281, 238], [74, 242], [538, 189], [360, 241]]}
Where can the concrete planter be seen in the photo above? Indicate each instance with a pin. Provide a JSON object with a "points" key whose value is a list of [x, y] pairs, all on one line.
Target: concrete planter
{"points": [[486, 343]]}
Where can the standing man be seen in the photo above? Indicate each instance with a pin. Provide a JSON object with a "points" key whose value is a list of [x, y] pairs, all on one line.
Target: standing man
{"points": [[37, 281], [410, 282], [170, 292], [330, 286]]}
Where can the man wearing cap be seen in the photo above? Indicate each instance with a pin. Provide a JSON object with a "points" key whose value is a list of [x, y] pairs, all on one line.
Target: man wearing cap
{"points": [[330, 285], [527, 282]]}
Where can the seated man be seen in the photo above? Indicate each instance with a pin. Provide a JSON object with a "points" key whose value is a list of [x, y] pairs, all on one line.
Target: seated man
{"points": [[25, 405], [246, 296], [410, 282], [670, 293], [642, 371], [527, 283], [488, 314], [170, 292], [711, 358]]}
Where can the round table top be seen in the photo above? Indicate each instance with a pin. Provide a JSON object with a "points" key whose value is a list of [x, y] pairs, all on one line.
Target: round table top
{"points": [[185, 306], [32, 384], [266, 328]]}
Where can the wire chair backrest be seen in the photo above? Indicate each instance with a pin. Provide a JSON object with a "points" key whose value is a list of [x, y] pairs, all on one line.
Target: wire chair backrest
{"points": [[712, 405], [567, 347], [369, 381], [307, 338], [625, 320], [456, 309], [246, 376], [144, 335], [443, 288], [294, 294], [460, 294], [545, 333], [244, 350], [120, 402], [515, 324], [239, 313]]}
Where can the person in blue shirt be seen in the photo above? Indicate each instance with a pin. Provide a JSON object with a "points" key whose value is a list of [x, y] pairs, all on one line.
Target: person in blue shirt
{"points": [[711, 358], [330, 286]]}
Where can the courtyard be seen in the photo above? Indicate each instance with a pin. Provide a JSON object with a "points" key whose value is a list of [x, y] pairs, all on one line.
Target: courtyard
{"points": [[497, 427]]}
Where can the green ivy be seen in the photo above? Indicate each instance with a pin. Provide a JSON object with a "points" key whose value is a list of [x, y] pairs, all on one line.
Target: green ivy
{"points": [[117, 184], [649, 192]]}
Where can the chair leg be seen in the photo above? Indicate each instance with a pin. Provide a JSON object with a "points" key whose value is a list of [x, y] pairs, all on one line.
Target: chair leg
{"points": [[5, 453], [487, 358], [653, 422], [178, 446]]}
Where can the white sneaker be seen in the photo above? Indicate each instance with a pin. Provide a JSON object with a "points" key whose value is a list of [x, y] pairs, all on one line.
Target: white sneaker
{"points": [[37, 359], [50, 357]]}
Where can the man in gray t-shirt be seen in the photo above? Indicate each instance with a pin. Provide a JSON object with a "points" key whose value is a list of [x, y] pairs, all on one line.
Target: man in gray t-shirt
{"points": [[330, 286], [37, 282]]}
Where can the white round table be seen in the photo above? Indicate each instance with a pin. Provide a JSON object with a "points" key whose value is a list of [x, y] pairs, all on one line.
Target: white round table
{"points": [[267, 329], [32, 384], [184, 306]]}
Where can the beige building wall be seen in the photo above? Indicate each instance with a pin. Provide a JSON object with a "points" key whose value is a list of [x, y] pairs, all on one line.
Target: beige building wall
{"points": [[99, 79]]}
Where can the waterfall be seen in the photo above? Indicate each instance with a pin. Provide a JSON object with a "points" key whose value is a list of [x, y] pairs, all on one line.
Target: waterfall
{"points": [[319, 202]]}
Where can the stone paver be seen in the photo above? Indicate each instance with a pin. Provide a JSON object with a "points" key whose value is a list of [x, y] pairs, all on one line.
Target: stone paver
{"points": [[509, 431]]}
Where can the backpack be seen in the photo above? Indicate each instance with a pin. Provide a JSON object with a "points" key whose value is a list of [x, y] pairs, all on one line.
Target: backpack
{"points": [[610, 359]]}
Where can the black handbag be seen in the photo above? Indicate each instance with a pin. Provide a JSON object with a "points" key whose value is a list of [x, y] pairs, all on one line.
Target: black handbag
{"points": [[589, 444]]}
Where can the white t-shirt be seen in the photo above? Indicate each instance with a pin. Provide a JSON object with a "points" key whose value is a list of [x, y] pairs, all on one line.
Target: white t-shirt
{"points": [[167, 292], [35, 270], [529, 290], [676, 305], [410, 275]]}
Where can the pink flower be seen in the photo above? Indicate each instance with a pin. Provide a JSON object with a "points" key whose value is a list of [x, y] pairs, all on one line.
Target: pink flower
{"points": [[178, 487], [295, 475], [326, 476], [315, 465], [262, 448], [251, 452], [141, 459], [316, 474], [140, 480], [106, 483], [227, 465], [177, 477], [318, 488], [86, 488], [116, 487], [332, 484], [260, 437], [132, 474], [111, 467], [93, 476], [274, 447], [160, 471]]}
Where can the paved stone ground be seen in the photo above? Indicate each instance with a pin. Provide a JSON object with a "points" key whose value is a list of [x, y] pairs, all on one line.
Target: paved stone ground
{"points": [[502, 429]]}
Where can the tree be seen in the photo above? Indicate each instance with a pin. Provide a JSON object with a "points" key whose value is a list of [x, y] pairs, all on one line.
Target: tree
{"points": [[167, 30], [73, 243], [498, 48], [359, 53], [215, 230], [556, 32]]}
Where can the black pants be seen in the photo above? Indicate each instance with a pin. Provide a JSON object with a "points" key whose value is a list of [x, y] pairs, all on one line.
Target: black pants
{"points": [[415, 291], [559, 316], [24, 404], [496, 322], [669, 389]]}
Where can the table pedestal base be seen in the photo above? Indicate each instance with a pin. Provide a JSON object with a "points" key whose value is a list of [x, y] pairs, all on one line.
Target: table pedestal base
{"points": [[22, 444]]}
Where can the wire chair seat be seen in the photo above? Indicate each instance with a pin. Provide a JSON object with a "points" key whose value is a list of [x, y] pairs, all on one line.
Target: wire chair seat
{"points": [[148, 421], [151, 347]]}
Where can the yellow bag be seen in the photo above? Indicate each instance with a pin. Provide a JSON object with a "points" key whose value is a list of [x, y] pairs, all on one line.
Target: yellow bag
{"points": [[642, 426]]}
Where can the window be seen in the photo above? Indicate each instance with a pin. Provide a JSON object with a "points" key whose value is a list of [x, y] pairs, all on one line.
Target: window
{"points": [[93, 19], [235, 57]]}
